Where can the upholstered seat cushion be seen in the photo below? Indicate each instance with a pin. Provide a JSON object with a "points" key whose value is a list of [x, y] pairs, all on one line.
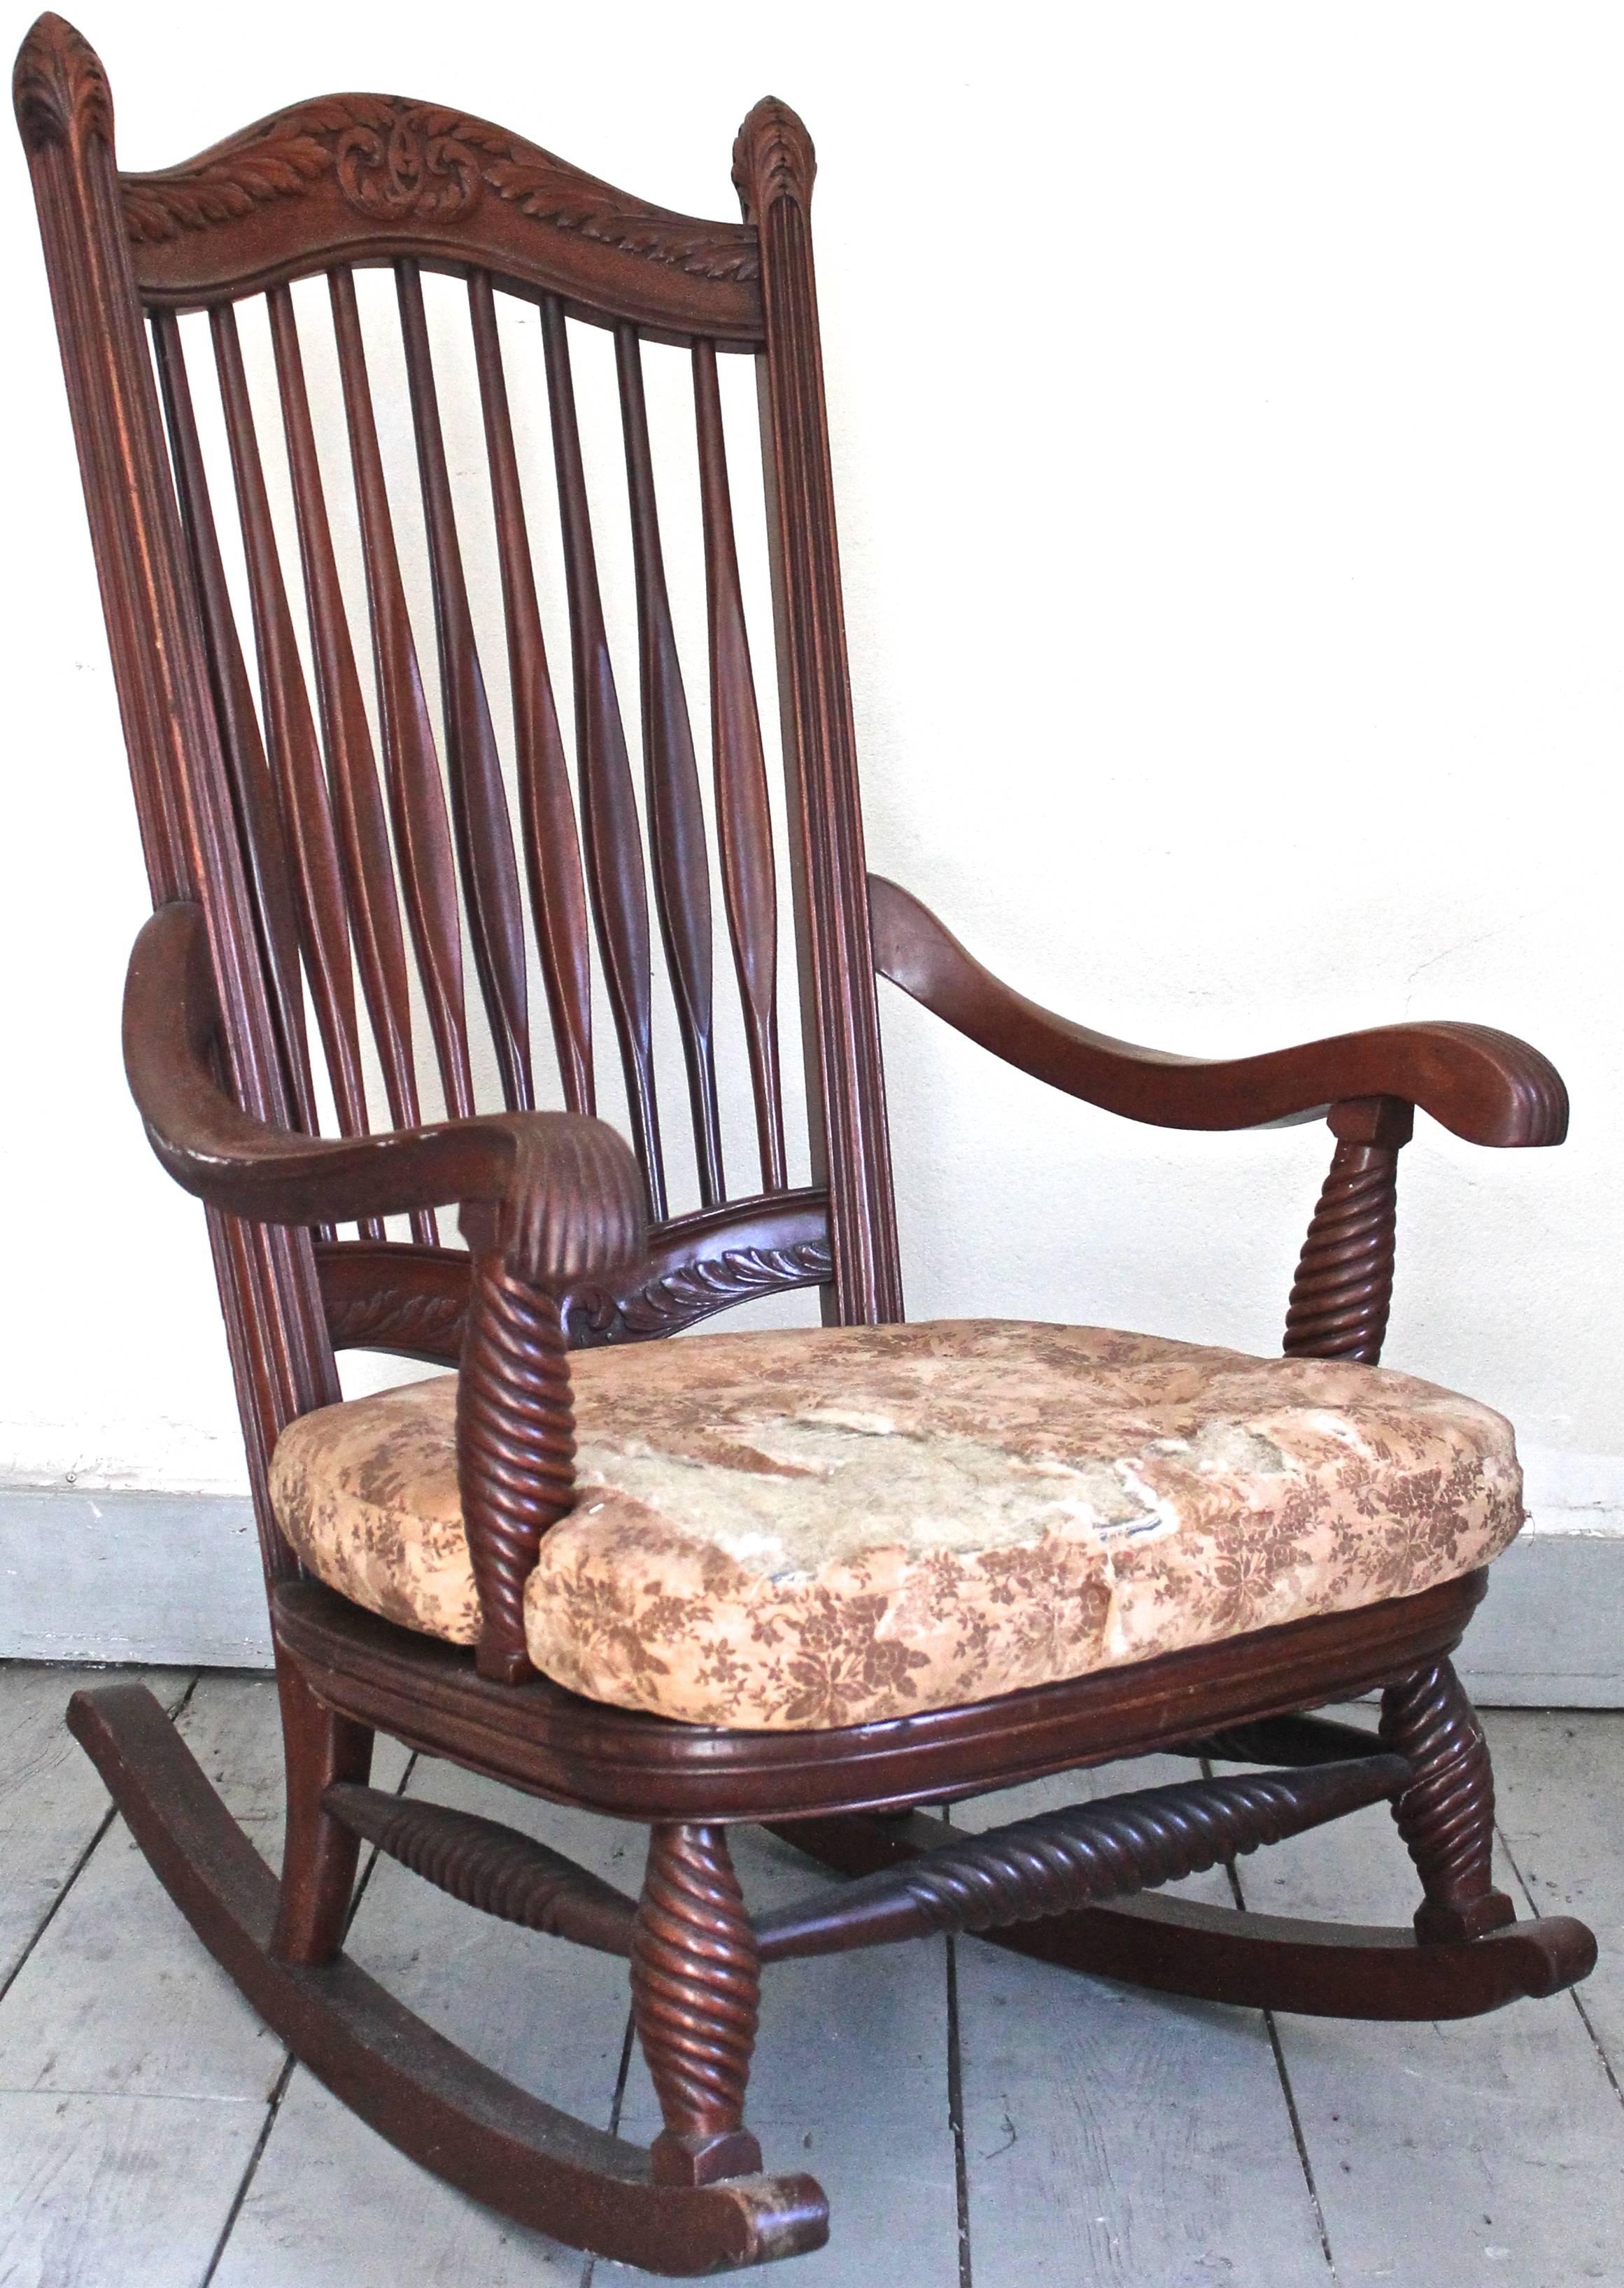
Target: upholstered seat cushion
{"points": [[830, 1527]]}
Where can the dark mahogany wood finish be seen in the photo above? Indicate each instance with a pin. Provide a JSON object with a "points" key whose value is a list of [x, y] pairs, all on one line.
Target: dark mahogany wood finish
{"points": [[353, 897]]}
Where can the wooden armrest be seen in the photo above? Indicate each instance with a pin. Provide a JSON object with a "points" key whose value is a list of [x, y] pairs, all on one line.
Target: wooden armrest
{"points": [[1487, 1087], [566, 1194], [547, 1197]]}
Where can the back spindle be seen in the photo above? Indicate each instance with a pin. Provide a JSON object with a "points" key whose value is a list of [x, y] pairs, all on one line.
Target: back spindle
{"points": [[1344, 1286], [264, 852], [389, 849], [347, 737], [296, 756], [479, 806], [417, 798], [609, 830], [676, 816], [743, 814], [551, 854]]}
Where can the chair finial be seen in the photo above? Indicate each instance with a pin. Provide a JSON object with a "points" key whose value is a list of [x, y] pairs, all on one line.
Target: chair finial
{"points": [[773, 158], [59, 88]]}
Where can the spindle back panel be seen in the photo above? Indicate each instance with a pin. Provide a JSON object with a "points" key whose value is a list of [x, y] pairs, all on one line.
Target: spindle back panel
{"points": [[464, 666]]}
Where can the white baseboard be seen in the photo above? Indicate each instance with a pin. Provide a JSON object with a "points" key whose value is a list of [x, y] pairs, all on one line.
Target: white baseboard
{"points": [[1550, 1633], [156, 1579], [162, 1578]]}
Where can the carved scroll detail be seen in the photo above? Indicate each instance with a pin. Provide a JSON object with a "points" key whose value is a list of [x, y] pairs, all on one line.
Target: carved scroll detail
{"points": [[405, 169], [595, 1314], [396, 161], [59, 88], [431, 1325], [419, 1306]]}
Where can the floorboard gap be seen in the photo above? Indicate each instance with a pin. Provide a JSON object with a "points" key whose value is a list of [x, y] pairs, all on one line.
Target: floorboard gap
{"points": [[955, 2087], [365, 1876], [1301, 2143], [615, 2103], [274, 2105], [955, 2115], [272, 2108], [1575, 1996]]}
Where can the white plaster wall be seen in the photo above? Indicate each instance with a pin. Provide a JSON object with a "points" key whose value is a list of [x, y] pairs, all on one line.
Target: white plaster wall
{"points": [[1226, 418]]}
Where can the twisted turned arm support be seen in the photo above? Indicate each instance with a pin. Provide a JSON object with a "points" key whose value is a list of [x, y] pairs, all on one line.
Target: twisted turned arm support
{"points": [[547, 1198], [1487, 1087], [1343, 1289]]}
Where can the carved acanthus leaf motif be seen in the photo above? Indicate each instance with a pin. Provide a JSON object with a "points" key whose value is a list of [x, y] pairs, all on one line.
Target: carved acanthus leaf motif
{"points": [[693, 1291], [155, 210], [548, 191], [431, 1323], [394, 162], [409, 167], [377, 149], [59, 88], [773, 158]]}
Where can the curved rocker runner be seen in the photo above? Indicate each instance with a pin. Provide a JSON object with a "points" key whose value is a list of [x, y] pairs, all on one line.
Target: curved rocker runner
{"points": [[548, 1566]]}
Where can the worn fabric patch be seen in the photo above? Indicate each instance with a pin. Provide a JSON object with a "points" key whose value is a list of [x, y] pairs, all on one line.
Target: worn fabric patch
{"points": [[799, 1530]]}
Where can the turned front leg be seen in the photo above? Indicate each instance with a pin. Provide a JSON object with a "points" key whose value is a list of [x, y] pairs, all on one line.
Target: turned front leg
{"points": [[696, 1993], [1446, 1815], [318, 1855]]}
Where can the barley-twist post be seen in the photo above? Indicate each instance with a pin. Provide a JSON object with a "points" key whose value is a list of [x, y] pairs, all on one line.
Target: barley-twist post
{"points": [[515, 1448], [1344, 1284], [696, 1991], [1446, 1814]]}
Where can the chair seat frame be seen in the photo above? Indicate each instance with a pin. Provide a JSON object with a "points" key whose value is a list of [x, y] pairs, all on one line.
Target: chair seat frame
{"points": [[569, 1240]]}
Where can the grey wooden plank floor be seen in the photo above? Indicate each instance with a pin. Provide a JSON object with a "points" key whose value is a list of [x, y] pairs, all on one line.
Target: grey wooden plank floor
{"points": [[978, 2121]]}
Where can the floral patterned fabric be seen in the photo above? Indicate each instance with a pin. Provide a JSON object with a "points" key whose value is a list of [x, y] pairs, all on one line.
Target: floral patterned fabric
{"points": [[797, 1530]]}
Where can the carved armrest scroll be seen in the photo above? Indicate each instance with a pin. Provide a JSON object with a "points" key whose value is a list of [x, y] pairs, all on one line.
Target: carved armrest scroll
{"points": [[570, 1201], [547, 1199], [1486, 1085]]}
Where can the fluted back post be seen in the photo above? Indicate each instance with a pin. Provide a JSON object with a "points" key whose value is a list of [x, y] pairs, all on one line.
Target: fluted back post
{"points": [[773, 167], [280, 1358]]}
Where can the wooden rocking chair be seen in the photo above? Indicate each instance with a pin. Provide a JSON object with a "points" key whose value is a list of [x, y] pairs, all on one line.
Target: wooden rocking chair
{"points": [[814, 1579]]}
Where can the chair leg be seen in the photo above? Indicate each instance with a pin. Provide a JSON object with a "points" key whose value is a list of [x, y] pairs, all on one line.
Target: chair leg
{"points": [[493, 2140], [318, 1856], [696, 1992], [1446, 1817]]}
